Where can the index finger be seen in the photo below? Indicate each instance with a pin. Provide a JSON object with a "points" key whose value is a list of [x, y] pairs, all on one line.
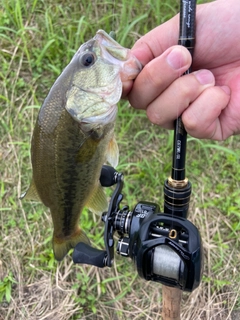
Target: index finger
{"points": [[155, 42]]}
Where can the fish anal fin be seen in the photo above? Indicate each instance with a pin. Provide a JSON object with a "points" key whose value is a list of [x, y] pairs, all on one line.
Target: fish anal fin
{"points": [[31, 193], [113, 153], [61, 246], [97, 202]]}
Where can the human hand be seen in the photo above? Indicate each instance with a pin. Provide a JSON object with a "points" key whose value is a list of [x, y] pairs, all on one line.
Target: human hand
{"points": [[208, 99]]}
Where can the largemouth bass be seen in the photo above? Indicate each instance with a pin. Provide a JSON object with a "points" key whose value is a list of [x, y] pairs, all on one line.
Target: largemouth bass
{"points": [[74, 136]]}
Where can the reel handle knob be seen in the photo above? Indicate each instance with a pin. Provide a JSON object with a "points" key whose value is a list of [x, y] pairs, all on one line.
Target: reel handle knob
{"points": [[85, 254]]}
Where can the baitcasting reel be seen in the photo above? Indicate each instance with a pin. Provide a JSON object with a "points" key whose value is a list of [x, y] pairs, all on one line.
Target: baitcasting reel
{"points": [[164, 248]]}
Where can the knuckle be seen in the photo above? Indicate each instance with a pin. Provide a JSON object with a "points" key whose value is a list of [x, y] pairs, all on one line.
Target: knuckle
{"points": [[154, 116], [151, 77], [190, 121], [158, 117]]}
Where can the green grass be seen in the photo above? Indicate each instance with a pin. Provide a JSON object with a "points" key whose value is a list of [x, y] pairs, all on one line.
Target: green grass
{"points": [[37, 40]]}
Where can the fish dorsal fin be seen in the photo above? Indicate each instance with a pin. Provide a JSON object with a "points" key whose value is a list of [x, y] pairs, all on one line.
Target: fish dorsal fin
{"points": [[31, 193], [113, 153], [98, 200]]}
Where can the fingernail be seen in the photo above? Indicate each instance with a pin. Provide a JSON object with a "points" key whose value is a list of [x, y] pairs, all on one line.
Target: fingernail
{"points": [[177, 58], [226, 89], [205, 77]]}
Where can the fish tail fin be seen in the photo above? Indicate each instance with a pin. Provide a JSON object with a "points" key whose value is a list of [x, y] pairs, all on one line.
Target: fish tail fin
{"points": [[62, 246]]}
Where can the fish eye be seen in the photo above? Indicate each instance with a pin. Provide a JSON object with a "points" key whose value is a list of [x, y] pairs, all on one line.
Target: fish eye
{"points": [[88, 59]]}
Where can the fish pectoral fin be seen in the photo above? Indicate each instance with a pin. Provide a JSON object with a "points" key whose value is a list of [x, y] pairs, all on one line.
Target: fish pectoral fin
{"points": [[98, 201], [31, 193], [113, 153], [61, 246]]}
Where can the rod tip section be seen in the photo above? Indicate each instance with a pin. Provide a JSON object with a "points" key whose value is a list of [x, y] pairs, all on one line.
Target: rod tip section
{"points": [[171, 303]]}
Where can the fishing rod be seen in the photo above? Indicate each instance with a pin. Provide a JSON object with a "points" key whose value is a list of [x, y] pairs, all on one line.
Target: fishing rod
{"points": [[177, 188], [164, 246]]}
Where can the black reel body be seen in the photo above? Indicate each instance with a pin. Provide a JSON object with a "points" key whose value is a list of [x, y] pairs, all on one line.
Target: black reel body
{"points": [[164, 248]]}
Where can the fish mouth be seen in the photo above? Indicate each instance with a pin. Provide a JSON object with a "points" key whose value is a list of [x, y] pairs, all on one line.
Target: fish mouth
{"points": [[87, 123], [101, 119], [113, 52], [111, 94], [108, 100], [102, 106]]}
